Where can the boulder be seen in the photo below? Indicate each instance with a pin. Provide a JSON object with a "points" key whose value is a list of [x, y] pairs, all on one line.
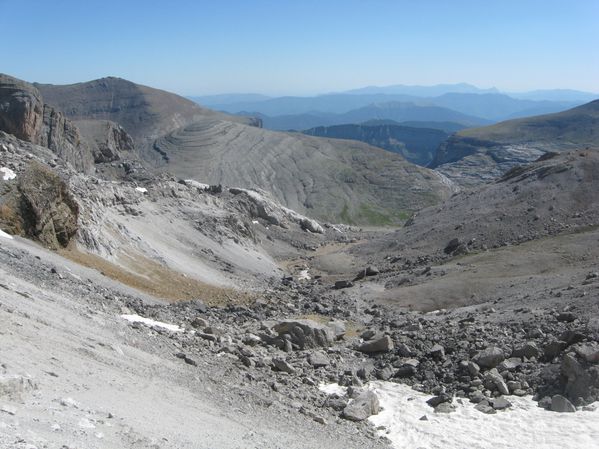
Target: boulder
{"points": [[283, 365], [581, 378], [306, 334], [364, 406], [489, 357], [383, 344], [589, 352], [561, 404], [528, 350], [318, 359], [343, 284]]}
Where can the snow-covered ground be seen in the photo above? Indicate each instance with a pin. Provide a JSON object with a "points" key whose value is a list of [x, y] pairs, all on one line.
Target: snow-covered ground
{"points": [[7, 173], [5, 235], [152, 323], [523, 426]]}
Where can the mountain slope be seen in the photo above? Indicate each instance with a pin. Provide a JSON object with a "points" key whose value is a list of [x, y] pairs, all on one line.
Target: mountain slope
{"points": [[329, 179], [145, 113], [417, 145], [477, 155]]}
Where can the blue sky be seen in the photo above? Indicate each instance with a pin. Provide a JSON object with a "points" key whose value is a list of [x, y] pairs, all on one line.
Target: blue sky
{"points": [[304, 46]]}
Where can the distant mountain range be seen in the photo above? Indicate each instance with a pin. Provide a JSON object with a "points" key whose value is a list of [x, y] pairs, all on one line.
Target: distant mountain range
{"points": [[394, 111], [479, 106]]}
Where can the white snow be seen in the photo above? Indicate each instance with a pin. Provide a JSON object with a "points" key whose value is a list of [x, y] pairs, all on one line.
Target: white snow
{"points": [[255, 222], [150, 322], [199, 185], [141, 189], [8, 173], [332, 389], [5, 235], [304, 275], [524, 425]]}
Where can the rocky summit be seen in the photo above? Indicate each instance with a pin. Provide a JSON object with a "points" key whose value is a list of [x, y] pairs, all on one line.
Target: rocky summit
{"points": [[167, 272]]}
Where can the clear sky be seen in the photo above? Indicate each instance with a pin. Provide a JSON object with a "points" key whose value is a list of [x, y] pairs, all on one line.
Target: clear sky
{"points": [[303, 46]]}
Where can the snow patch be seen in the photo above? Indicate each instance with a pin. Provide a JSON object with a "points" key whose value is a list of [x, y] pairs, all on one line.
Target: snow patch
{"points": [[141, 189], [199, 185], [4, 235], [331, 389], [150, 322], [304, 275], [8, 173], [523, 425]]}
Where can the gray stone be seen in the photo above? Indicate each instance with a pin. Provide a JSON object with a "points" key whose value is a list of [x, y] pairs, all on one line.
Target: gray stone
{"points": [[500, 403], [561, 404], [282, 365], [587, 351], [445, 407], [364, 406], [528, 350], [484, 407], [489, 357], [343, 284], [318, 359], [306, 333], [383, 344], [497, 380]]}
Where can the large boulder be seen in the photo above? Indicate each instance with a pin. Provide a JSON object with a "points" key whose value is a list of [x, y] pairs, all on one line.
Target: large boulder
{"points": [[581, 378], [382, 344], [362, 407], [305, 334], [489, 357]]}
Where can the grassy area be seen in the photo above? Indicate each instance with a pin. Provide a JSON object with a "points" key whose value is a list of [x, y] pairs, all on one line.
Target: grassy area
{"points": [[157, 280]]}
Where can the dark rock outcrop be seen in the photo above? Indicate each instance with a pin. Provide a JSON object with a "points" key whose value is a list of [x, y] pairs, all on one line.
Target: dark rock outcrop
{"points": [[40, 206]]}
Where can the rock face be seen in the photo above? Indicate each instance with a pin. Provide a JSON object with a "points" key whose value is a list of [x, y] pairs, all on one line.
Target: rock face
{"points": [[305, 333], [24, 114], [21, 109], [362, 407], [108, 140]]}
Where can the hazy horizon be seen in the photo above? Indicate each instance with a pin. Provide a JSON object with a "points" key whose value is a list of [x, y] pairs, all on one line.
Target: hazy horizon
{"points": [[275, 48]]}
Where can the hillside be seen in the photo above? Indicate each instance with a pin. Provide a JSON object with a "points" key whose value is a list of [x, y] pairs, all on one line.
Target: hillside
{"points": [[476, 155], [417, 145], [329, 179], [144, 112]]}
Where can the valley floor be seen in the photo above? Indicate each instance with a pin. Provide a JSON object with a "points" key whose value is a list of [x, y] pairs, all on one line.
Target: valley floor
{"points": [[75, 374]]}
